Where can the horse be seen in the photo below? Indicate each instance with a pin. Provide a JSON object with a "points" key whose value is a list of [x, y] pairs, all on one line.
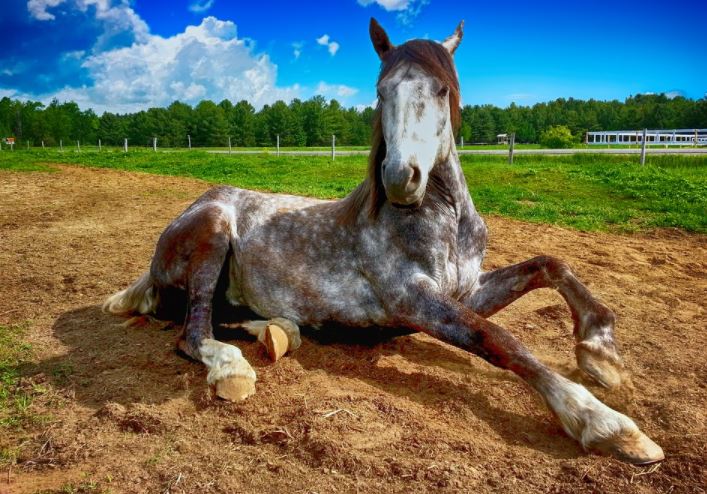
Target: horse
{"points": [[404, 251]]}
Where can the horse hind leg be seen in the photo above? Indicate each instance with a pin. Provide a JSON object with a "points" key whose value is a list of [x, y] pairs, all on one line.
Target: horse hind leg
{"points": [[595, 348]]}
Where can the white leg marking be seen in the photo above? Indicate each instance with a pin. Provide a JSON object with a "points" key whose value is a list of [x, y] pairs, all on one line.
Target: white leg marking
{"points": [[224, 360], [583, 416]]}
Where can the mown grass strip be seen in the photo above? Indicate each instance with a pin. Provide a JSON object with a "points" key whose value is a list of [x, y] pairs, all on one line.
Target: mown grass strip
{"points": [[585, 192]]}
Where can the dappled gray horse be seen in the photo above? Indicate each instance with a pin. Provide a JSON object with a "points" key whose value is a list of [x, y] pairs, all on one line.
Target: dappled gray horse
{"points": [[403, 250]]}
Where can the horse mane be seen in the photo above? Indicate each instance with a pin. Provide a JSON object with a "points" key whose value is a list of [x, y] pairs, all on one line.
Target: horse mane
{"points": [[434, 59]]}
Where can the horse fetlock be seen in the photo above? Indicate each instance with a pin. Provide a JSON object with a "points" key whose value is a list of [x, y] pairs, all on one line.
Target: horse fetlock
{"points": [[597, 356], [599, 427], [229, 371]]}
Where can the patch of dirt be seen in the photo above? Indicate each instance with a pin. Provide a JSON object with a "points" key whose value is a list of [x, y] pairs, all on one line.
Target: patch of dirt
{"points": [[122, 412]]}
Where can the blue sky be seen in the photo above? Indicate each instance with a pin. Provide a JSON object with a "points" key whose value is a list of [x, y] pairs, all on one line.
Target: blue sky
{"points": [[121, 55]]}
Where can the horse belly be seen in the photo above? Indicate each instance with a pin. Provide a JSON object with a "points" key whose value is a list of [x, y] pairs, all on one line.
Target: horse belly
{"points": [[307, 292]]}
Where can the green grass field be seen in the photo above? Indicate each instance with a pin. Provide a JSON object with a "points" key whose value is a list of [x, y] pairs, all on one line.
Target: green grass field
{"points": [[586, 192]]}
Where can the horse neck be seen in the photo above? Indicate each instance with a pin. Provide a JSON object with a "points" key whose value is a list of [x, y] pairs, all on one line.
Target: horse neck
{"points": [[447, 182]]}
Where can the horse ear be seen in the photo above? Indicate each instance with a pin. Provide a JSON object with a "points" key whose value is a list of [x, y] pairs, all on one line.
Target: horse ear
{"points": [[452, 42], [379, 38]]}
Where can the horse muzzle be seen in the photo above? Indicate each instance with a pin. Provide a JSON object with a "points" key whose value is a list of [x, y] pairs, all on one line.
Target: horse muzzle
{"points": [[404, 184]]}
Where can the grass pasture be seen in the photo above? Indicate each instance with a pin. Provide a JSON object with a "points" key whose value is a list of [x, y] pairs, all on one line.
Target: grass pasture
{"points": [[585, 192]]}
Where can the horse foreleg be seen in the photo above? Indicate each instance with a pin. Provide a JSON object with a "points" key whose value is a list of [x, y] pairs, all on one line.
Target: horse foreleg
{"points": [[583, 416], [229, 371], [593, 321]]}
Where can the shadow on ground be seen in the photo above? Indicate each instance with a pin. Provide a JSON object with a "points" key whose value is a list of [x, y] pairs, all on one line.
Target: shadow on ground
{"points": [[109, 362]]}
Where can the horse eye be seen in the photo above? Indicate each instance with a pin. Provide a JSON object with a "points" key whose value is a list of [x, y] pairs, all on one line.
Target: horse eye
{"points": [[379, 96], [443, 92]]}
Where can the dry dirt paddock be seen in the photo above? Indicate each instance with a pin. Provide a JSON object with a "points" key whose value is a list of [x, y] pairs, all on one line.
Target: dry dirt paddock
{"points": [[122, 412]]}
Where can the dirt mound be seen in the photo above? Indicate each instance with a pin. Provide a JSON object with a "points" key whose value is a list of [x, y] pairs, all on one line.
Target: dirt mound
{"points": [[115, 408]]}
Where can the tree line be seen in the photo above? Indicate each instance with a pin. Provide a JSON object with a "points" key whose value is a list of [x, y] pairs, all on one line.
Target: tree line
{"points": [[312, 122]]}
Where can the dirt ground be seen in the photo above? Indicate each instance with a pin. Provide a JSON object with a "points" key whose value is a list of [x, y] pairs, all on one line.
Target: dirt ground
{"points": [[124, 413]]}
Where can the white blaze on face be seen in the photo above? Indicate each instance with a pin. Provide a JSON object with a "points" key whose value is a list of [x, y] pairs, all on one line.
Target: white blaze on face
{"points": [[416, 128]]}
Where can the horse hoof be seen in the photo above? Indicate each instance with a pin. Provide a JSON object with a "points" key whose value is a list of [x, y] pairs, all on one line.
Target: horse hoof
{"points": [[276, 341], [292, 331], [599, 368], [632, 447], [235, 388]]}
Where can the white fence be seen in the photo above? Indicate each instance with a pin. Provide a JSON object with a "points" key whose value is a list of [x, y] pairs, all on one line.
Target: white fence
{"points": [[666, 137]]}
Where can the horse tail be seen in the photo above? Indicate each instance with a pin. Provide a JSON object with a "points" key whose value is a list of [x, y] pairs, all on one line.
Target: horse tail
{"points": [[141, 298]]}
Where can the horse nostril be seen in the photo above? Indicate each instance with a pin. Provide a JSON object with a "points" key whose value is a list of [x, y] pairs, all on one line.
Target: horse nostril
{"points": [[414, 182]]}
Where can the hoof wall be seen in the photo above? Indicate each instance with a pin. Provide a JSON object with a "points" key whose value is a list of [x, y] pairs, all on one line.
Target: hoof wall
{"points": [[276, 342], [632, 447], [235, 388], [599, 369]]}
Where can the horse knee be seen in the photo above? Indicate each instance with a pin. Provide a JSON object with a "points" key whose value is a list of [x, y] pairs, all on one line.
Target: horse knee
{"points": [[555, 270]]}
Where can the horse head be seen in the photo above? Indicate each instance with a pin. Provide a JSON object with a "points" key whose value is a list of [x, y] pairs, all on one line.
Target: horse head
{"points": [[418, 108]]}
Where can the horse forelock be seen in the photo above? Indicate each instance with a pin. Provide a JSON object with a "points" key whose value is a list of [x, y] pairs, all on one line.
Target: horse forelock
{"points": [[436, 61]]}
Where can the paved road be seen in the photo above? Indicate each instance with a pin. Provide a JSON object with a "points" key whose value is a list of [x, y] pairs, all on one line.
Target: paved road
{"points": [[500, 152]]}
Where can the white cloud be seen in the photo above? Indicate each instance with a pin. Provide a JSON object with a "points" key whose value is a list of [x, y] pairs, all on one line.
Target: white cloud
{"points": [[38, 9], [362, 107], [205, 61], [116, 20], [332, 46], [387, 4], [335, 90], [297, 49], [199, 7], [407, 10]]}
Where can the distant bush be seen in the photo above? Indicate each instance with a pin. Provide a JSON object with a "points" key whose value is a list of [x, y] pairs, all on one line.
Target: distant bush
{"points": [[557, 137]]}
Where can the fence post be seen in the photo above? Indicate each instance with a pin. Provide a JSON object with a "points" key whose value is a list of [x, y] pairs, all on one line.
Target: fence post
{"points": [[695, 143], [154, 144], [61, 145], [125, 145], [27, 145], [99, 145], [78, 146], [42, 145], [643, 148], [333, 147], [462, 142], [511, 145], [278, 145], [229, 144], [189, 139]]}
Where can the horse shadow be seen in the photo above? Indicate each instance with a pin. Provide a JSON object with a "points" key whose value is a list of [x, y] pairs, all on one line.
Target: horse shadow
{"points": [[111, 362]]}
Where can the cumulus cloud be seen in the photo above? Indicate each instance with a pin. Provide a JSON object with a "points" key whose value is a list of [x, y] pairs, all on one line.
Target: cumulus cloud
{"points": [[198, 7], [335, 90], [407, 10], [205, 61], [120, 23], [122, 67], [332, 46], [38, 9]]}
